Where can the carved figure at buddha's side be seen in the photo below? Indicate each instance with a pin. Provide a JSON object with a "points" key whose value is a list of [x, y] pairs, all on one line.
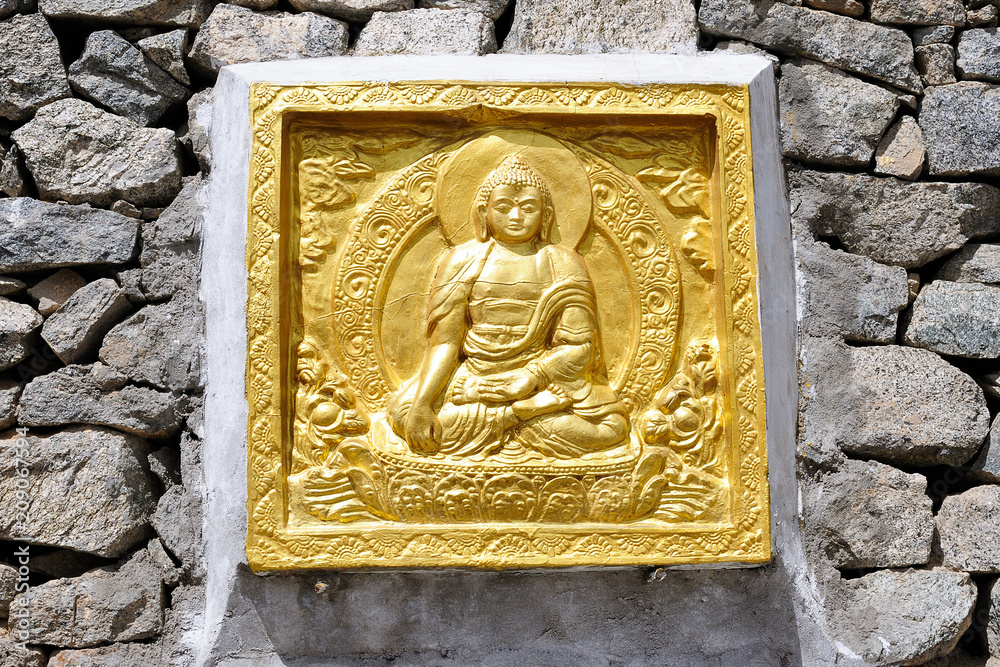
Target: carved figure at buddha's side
{"points": [[514, 366]]}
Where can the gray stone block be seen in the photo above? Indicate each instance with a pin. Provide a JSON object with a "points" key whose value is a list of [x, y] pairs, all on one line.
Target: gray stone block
{"points": [[168, 50], [234, 35], [984, 17], [922, 12], [351, 10], [31, 70], [936, 64], [979, 54], [10, 285], [170, 259], [897, 404], [893, 221], [69, 144], [55, 290], [985, 468], [583, 26], [13, 653], [117, 603], [126, 209], [829, 117], [98, 395], [901, 151], [959, 127], [256, 5], [493, 9], [10, 7], [935, 34], [177, 521], [36, 235], [122, 78], [89, 490], [864, 514], [188, 13], [958, 319], [159, 345], [882, 53], [12, 173], [112, 655], [426, 31], [169, 573], [10, 394], [969, 527], [901, 617], [845, 7], [165, 463], [993, 620], [18, 323], [974, 263], [848, 296], [74, 332], [199, 124]]}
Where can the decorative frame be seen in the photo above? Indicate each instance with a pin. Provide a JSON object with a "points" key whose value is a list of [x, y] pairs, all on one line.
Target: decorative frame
{"points": [[272, 545]]}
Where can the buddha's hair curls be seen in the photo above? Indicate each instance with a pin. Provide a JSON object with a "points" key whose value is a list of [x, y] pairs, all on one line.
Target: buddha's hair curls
{"points": [[514, 172]]}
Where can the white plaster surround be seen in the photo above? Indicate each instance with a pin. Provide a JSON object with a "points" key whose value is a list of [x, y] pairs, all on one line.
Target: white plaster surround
{"points": [[224, 280]]}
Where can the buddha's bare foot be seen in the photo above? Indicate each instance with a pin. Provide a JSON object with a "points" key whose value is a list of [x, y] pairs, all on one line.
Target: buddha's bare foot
{"points": [[465, 392], [544, 402]]}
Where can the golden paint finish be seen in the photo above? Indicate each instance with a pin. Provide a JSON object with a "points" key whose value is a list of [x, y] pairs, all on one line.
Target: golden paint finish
{"points": [[503, 326]]}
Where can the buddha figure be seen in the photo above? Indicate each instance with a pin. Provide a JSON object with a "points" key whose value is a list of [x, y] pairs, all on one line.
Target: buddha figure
{"points": [[514, 368]]}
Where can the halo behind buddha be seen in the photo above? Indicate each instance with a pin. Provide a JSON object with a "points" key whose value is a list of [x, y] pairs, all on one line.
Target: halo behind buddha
{"points": [[459, 181]]}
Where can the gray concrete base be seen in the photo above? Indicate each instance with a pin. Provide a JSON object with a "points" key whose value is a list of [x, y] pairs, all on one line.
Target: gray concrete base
{"points": [[739, 618], [735, 618]]}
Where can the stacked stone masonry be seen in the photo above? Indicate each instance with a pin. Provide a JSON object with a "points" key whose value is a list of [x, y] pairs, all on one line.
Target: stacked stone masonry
{"points": [[889, 115]]}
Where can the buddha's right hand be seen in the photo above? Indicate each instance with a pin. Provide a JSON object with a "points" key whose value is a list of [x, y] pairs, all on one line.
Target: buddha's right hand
{"points": [[423, 430]]}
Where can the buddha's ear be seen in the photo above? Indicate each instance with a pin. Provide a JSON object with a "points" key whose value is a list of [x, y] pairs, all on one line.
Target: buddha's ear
{"points": [[480, 224], [548, 221]]}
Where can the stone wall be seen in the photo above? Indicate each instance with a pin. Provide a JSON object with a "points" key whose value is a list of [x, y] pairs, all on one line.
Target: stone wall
{"points": [[888, 116]]}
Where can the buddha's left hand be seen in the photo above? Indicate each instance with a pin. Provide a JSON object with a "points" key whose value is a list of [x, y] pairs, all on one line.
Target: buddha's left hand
{"points": [[509, 386]]}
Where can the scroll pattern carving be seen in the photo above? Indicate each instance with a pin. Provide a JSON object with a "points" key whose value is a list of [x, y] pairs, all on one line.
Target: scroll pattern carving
{"points": [[621, 209], [403, 208], [743, 535]]}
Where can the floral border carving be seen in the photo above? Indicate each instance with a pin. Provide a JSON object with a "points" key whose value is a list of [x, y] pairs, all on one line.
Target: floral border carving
{"points": [[272, 546]]}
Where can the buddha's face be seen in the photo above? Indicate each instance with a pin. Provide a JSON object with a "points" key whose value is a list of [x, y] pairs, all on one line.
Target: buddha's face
{"points": [[515, 214]]}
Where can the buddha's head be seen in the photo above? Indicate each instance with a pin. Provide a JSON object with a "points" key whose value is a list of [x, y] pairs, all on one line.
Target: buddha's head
{"points": [[514, 205]]}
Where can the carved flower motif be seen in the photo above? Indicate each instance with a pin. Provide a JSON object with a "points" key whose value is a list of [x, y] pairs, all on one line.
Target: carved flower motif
{"points": [[419, 94], [498, 95], [383, 94], [426, 545], [595, 545], [687, 417], [553, 545], [714, 543], [509, 546], [573, 96], [636, 544], [339, 94], [533, 96], [460, 95], [613, 97], [655, 96]]}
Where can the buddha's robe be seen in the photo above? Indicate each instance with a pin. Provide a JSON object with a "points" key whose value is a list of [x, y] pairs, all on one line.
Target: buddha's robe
{"points": [[553, 333]]}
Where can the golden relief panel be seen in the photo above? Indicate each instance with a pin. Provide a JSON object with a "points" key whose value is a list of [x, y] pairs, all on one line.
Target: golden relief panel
{"points": [[503, 326]]}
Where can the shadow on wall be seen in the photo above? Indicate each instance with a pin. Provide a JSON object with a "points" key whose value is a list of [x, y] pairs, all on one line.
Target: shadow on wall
{"points": [[706, 618]]}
